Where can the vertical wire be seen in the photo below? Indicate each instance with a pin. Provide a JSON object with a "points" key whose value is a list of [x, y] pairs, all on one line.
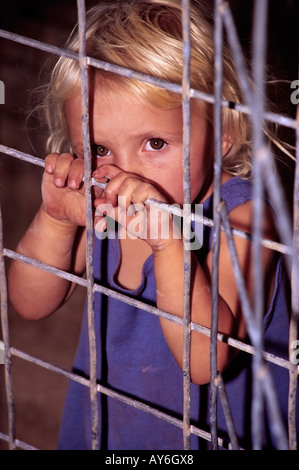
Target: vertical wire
{"points": [[218, 68], [293, 381], [276, 421], [6, 340], [263, 166], [89, 224], [259, 53], [272, 182], [186, 219], [219, 382], [1, 250]]}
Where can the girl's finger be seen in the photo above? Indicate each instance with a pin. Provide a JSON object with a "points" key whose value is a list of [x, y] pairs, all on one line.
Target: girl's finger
{"points": [[62, 168], [106, 171], [76, 173], [50, 162]]}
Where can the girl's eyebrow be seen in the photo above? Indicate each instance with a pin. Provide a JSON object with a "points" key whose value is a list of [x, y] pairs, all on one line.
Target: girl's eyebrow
{"points": [[161, 134], [155, 132]]}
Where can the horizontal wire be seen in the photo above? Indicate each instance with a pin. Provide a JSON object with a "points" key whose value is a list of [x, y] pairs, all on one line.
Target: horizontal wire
{"points": [[174, 210], [106, 391], [269, 116], [19, 444], [272, 117], [143, 306]]}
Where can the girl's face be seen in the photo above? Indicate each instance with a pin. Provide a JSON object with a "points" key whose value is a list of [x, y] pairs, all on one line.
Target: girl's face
{"points": [[142, 139]]}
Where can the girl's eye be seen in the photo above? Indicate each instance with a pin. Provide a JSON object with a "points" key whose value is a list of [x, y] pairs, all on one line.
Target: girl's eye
{"points": [[101, 151], [155, 144]]}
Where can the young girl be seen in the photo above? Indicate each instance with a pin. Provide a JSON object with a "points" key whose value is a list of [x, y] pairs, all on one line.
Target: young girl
{"points": [[137, 144]]}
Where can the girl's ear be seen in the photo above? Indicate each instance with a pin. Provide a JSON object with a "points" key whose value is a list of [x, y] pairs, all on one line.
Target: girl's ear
{"points": [[227, 142]]}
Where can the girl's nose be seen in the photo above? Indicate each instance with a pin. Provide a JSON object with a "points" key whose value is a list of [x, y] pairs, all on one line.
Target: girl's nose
{"points": [[124, 161]]}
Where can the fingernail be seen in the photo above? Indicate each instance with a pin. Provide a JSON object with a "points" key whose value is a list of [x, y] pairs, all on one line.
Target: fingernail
{"points": [[59, 182], [73, 184], [49, 169]]}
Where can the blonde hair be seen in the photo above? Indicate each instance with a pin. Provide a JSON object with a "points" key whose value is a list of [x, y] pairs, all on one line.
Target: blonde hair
{"points": [[146, 36]]}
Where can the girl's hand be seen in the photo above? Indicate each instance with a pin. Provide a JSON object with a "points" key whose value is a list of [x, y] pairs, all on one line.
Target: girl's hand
{"points": [[123, 200], [62, 188]]}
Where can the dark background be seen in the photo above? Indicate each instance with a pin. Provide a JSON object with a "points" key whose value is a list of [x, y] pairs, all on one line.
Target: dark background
{"points": [[39, 394]]}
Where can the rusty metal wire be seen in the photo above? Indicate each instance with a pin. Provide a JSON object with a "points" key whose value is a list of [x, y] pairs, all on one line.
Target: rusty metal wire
{"points": [[186, 219], [218, 83], [295, 306], [89, 225], [197, 94], [173, 209], [6, 340], [259, 50], [265, 177]]}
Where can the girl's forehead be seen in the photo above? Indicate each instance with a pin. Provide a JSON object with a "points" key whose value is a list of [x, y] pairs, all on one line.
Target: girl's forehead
{"points": [[102, 82], [109, 97], [134, 90]]}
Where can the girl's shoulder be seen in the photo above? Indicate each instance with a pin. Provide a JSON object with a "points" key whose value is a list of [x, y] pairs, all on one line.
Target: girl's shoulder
{"points": [[234, 190], [238, 196], [237, 193]]}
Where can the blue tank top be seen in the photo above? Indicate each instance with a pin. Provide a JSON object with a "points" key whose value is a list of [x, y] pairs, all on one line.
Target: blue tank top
{"points": [[134, 359]]}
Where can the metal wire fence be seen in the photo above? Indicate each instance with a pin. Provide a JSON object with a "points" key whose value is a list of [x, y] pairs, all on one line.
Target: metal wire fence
{"points": [[265, 178]]}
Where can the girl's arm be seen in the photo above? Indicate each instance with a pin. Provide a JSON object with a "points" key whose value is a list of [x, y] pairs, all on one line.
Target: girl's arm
{"points": [[33, 292], [169, 275], [168, 267], [169, 270], [55, 237]]}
